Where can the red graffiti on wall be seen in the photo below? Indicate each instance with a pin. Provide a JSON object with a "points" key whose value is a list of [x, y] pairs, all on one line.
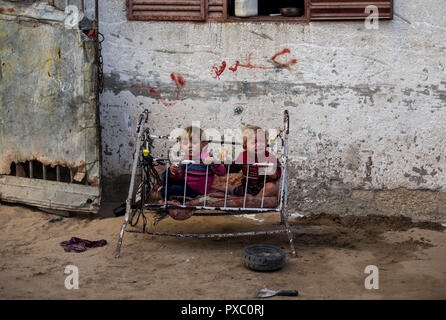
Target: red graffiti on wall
{"points": [[165, 102], [284, 64], [179, 81], [248, 65], [219, 70]]}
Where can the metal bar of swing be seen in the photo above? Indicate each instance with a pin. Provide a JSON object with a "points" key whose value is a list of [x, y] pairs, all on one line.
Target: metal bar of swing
{"points": [[153, 136], [259, 164], [211, 235], [165, 189], [264, 187], [154, 205], [142, 119], [185, 186], [206, 185], [227, 185], [246, 187]]}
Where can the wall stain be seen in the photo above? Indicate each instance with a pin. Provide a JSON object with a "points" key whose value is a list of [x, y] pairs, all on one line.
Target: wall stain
{"points": [[368, 170], [262, 35], [224, 90], [238, 110], [179, 81]]}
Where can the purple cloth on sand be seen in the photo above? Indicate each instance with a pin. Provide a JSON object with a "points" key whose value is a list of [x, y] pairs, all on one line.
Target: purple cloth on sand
{"points": [[80, 245]]}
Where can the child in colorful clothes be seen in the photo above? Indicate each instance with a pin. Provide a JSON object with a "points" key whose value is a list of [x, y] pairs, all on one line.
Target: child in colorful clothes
{"points": [[254, 145], [192, 147]]}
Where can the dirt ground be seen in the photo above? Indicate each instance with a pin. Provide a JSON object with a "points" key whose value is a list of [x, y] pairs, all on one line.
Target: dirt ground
{"points": [[333, 252]]}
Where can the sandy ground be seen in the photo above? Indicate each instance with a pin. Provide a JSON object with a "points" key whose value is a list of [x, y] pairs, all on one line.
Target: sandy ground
{"points": [[333, 252]]}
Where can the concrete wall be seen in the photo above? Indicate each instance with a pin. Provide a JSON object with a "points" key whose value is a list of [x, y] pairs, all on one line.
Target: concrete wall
{"points": [[367, 107]]}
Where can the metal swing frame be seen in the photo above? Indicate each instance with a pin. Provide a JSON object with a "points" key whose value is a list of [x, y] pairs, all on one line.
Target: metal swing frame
{"points": [[144, 140]]}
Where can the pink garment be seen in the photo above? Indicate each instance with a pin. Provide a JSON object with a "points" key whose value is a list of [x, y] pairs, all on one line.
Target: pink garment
{"points": [[196, 174]]}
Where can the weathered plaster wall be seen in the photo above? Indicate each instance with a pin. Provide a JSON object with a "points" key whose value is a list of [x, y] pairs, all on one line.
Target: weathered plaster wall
{"points": [[367, 107], [48, 110], [47, 96]]}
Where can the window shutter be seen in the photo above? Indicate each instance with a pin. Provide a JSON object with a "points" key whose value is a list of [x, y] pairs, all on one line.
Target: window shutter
{"points": [[217, 10], [348, 9], [166, 10]]}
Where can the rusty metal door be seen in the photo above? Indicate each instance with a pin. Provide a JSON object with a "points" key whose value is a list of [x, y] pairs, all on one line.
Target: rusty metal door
{"points": [[49, 130]]}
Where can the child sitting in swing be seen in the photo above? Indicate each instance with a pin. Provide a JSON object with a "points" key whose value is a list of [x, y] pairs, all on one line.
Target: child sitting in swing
{"points": [[191, 145], [255, 145]]}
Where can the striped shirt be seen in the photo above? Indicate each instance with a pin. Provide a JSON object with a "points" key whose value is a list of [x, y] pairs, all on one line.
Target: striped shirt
{"points": [[196, 174]]}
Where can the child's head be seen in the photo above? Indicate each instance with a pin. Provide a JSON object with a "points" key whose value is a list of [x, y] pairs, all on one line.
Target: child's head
{"points": [[254, 138], [191, 141]]}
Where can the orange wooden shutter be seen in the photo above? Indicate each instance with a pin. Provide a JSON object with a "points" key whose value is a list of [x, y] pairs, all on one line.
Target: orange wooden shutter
{"points": [[185, 10], [348, 9], [217, 10]]}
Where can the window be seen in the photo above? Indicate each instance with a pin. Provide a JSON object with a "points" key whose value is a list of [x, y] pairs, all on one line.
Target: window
{"points": [[271, 11], [224, 10]]}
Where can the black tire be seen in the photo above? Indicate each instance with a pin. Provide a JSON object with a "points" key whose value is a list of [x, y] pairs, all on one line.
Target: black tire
{"points": [[263, 257]]}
